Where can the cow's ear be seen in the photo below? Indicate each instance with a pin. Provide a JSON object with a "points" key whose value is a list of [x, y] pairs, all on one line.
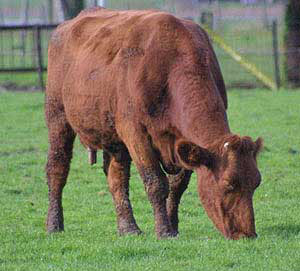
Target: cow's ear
{"points": [[192, 156]]}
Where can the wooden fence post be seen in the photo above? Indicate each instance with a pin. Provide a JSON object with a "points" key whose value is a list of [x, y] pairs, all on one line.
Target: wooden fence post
{"points": [[276, 53], [50, 11], [39, 56], [2, 21], [207, 19]]}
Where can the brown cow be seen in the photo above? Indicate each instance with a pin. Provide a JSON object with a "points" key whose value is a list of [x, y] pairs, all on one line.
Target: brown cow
{"points": [[146, 86]]}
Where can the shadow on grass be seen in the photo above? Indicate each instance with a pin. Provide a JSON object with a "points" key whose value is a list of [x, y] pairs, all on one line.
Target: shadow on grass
{"points": [[284, 231]]}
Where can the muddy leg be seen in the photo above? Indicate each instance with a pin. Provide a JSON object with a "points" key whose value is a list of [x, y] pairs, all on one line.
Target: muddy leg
{"points": [[178, 184], [61, 138], [117, 170], [156, 186], [155, 181]]}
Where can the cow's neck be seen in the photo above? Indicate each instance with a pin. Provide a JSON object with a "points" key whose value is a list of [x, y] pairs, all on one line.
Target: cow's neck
{"points": [[200, 114]]}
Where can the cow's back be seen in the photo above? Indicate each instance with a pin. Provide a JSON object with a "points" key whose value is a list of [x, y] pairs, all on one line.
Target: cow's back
{"points": [[100, 42]]}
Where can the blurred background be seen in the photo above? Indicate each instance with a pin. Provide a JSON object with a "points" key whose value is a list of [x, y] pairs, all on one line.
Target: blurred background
{"points": [[257, 41]]}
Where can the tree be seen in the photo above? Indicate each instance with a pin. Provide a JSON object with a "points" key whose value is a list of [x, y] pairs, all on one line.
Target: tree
{"points": [[72, 7], [292, 43]]}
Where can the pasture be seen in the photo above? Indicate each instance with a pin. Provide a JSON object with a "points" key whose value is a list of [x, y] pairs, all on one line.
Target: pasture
{"points": [[90, 241]]}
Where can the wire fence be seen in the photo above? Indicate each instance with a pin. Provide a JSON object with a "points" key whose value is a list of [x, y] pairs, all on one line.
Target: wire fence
{"points": [[244, 26]]}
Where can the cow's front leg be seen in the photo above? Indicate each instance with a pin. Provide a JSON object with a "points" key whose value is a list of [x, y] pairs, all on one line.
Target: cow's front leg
{"points": [[156, 186], [117, 169], [178, 184], [155, 181]]}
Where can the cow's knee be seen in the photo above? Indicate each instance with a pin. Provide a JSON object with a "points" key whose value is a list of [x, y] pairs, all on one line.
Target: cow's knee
{"points": [[156, 185], [157, 188]]}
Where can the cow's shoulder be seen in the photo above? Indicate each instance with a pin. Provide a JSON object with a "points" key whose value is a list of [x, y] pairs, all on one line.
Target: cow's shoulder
{"points": [[206, 48], [57, 36], [76, 28], [164, 22]]}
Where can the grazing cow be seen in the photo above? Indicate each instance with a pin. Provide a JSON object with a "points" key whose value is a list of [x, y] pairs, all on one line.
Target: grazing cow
{"points": [[146, 86]]}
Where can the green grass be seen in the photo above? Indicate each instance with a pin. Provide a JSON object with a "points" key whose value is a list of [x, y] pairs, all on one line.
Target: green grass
{"points": [[20, 80], [90, 241]]}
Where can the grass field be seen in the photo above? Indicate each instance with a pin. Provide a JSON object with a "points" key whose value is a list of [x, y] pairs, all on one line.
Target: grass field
{"points": [[90, 241]]}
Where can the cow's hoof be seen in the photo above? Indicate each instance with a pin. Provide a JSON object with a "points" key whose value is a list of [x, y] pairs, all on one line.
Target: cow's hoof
{"points": [[54, 228], [128, 229], [130, 232], [167, 234], [175, 233]]}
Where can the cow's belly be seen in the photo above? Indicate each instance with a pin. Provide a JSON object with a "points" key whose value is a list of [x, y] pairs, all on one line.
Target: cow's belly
{"points": [[91, 119]]}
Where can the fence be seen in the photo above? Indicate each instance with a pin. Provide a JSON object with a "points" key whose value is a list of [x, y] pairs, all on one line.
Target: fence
{"points": [[249, 30], [24, 49]]}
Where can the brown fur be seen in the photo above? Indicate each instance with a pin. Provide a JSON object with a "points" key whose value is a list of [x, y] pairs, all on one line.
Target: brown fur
{"points": [[146, 86]]}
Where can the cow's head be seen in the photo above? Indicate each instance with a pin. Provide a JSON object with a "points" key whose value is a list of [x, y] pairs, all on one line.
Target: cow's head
{"points": [[227, 178]]}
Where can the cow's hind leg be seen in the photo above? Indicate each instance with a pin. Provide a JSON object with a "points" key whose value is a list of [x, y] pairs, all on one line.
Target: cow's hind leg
{"points": [[117, 170], [61, 138], [177, 185]]}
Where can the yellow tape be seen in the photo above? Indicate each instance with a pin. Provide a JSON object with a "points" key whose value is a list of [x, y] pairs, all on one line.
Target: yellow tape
{"points": [[238, 58]]}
